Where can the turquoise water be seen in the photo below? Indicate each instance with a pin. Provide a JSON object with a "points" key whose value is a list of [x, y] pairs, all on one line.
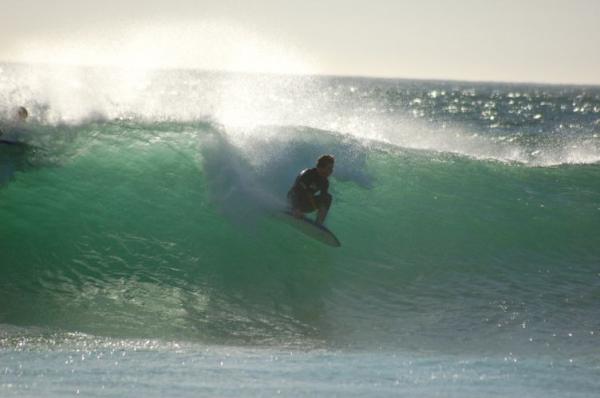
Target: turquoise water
{"points": [[140, 255]]}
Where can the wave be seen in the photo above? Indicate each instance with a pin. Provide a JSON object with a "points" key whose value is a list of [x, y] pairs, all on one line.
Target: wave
{"points": [[142, 229]]}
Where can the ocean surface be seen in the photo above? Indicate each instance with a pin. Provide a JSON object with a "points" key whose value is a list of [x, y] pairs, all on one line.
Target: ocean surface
{"points": [[140, 255]]}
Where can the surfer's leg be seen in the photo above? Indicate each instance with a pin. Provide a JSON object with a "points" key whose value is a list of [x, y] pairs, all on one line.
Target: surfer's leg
{"points": [[301, 204]]}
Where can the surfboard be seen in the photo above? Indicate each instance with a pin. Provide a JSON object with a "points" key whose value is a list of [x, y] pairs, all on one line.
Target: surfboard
{"points": [[311, 228]]}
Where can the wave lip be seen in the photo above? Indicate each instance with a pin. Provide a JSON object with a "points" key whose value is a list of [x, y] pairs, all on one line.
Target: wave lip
{"points": [[534, 125]]}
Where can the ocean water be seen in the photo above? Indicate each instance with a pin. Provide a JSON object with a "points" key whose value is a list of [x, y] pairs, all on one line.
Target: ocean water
{"points": [[139, 254]]}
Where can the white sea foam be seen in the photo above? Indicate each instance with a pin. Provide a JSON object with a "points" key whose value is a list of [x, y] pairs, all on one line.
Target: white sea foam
{"points": [[392, 112]]}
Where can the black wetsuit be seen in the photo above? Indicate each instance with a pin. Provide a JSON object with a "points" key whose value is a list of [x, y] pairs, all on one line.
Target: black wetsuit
{"points": [[306, 186]]}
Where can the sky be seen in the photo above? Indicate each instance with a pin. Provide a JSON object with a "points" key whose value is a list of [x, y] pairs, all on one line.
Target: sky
{"points": [[546, 41]]}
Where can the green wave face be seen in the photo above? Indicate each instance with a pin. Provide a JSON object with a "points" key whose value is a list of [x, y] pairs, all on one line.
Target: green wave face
{"points": [[167, 230]]}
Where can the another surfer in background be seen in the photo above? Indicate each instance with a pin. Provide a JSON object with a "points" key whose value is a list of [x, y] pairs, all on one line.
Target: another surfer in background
{"points": [[13, 149], [11, 133], [22, 114], [303, 195]]}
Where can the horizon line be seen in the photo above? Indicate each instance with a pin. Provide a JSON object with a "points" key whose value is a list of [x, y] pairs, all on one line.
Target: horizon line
{"points": [[348, 75]]}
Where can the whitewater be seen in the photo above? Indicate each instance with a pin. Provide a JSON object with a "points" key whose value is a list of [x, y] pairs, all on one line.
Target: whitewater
{"points": [[139, 254]]}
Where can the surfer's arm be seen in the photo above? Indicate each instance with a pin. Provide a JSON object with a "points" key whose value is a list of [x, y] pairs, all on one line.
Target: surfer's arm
{"points": [[308, 194], [302, 188], [311, 200]]}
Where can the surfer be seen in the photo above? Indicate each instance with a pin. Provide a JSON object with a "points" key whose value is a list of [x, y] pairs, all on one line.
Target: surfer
{"points": [[303, 195], [12, 148], [11, 134], [22, 114]]}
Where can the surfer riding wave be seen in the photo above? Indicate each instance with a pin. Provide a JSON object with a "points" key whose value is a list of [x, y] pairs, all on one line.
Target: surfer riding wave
{"points": [[310, 191]]}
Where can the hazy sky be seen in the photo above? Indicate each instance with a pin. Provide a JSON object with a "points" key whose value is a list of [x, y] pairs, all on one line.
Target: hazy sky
{"points": [[507, 40]]}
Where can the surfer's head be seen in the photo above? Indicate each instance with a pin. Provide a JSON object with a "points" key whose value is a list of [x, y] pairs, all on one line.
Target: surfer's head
{"points": [[325, 165], [22, 113]]}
